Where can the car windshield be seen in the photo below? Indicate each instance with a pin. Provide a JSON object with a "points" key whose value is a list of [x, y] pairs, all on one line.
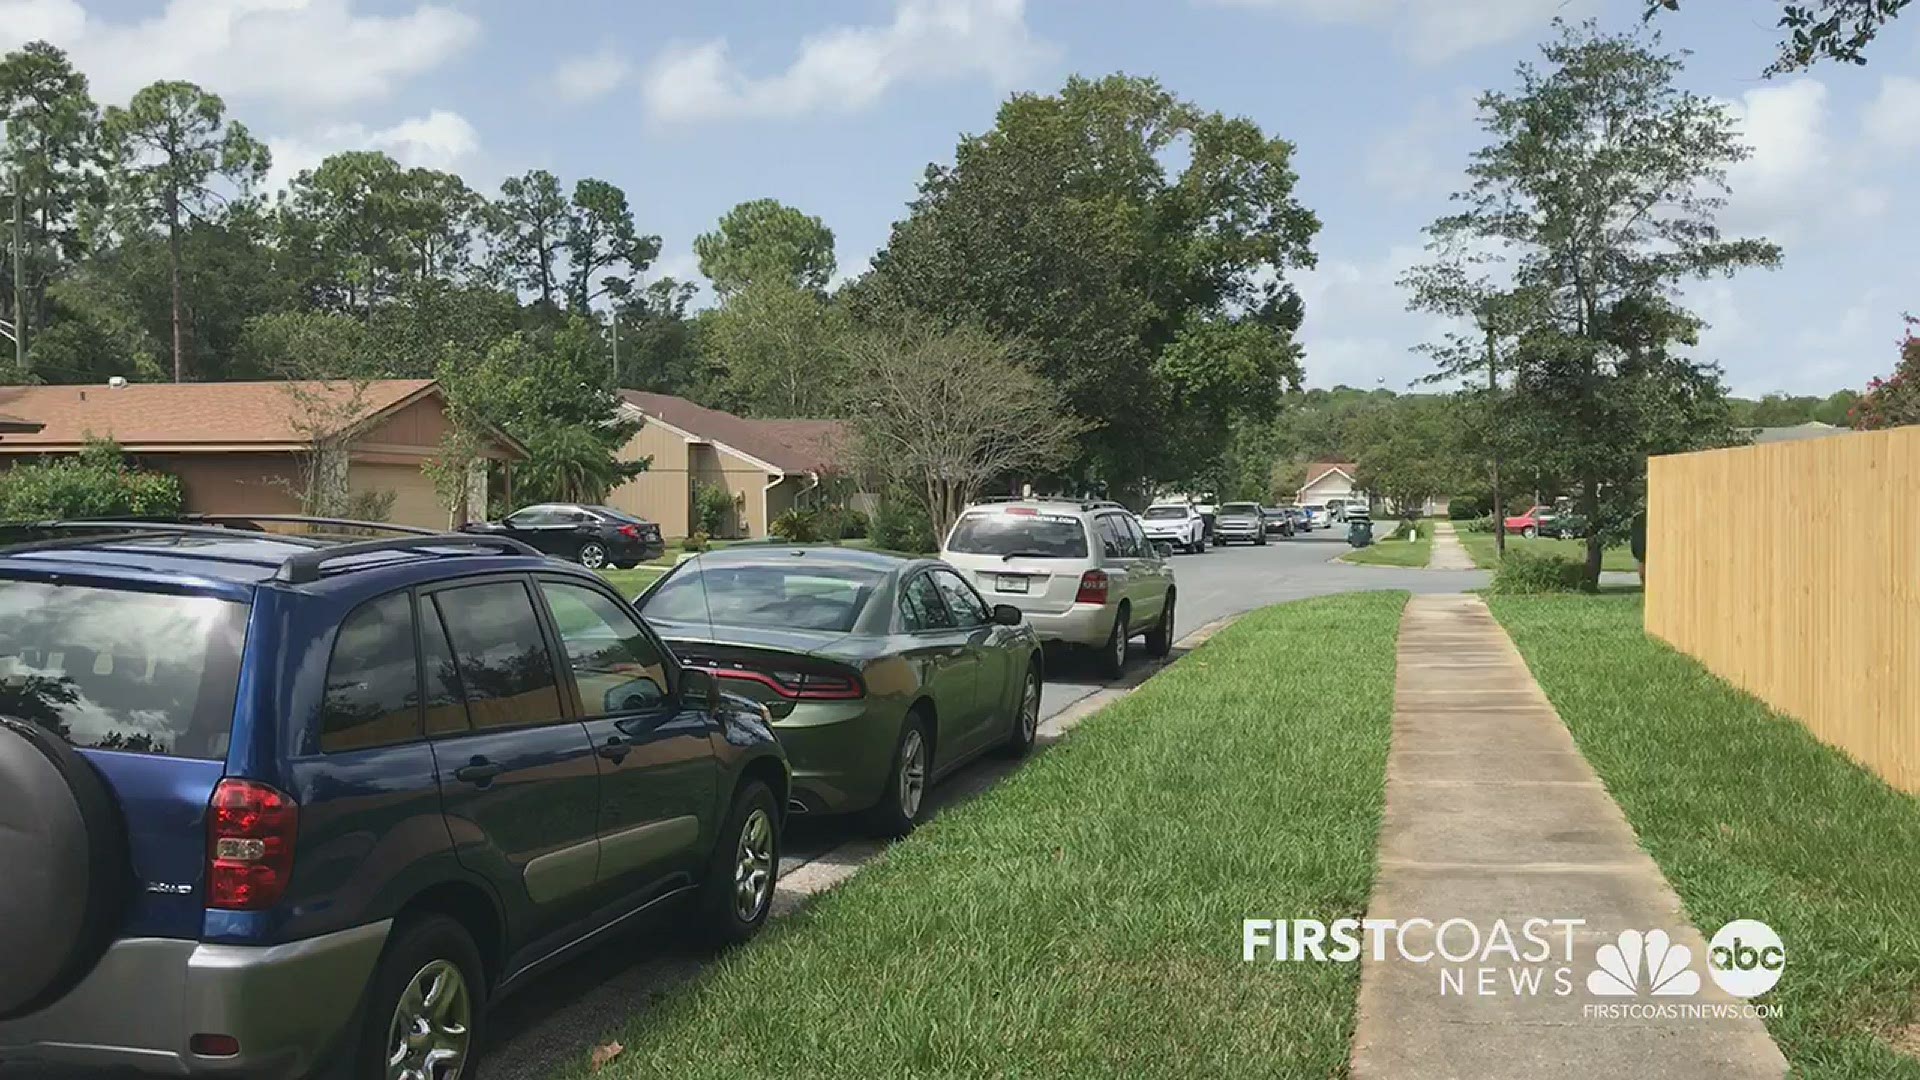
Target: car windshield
{"points": [[799, 597], [1008, 533], [1164, 513], [108, 669]]}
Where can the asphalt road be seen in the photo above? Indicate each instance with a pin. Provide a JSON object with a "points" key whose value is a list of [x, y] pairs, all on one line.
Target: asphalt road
{"points": [[561, 1017]]}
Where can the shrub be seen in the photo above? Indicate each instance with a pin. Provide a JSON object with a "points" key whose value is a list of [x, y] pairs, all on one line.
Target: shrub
{"points": [[899, 525], [853, 524], [96, 483], [1481, 524], [712, 507], [1525, 572], [696, 542], [800, 526]]}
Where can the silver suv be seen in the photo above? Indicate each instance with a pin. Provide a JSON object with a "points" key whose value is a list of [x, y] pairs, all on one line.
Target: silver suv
{"points": [[1083, 572]]}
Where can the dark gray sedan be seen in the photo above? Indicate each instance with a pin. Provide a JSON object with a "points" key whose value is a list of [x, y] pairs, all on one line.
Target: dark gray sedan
{"points": [[881, 673]]}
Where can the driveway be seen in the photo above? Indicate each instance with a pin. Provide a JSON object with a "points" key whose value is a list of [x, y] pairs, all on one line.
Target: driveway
{"points": [[562, 1016]]}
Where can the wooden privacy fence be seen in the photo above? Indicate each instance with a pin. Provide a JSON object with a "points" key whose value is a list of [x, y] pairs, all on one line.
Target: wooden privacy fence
{"points": [[1792, 570]]}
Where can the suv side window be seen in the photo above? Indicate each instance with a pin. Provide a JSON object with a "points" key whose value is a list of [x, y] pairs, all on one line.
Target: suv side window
{"points": [[921, 607], [961, 600], [372, 690], [615, 665], [1113, 536], [500, 655], [446, 701], [1142, 547]]}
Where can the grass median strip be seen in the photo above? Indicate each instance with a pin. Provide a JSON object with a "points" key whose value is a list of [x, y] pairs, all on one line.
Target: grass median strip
{"points": [[1750, 817], [1083, 917]]}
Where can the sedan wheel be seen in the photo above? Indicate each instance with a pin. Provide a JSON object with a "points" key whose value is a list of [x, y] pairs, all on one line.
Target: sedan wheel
{"points": [[1026, 720], [906, 786], [593, 555]]}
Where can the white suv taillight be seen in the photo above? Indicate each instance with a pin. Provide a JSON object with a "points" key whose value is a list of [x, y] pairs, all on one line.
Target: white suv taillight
{"points": [[1093, 588], [250, 834]]}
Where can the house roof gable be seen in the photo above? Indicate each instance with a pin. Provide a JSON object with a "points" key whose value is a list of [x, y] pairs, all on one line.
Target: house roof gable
{"points": [[785, 446], [1320, 470]]}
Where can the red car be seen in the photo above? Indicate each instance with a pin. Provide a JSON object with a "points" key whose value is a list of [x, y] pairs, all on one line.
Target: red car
{"points": [[1529, 523]]}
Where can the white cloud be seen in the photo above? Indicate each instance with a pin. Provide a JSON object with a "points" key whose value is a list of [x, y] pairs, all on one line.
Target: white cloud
{"points": [[1893, 120], [1415, 159], [1433, 30], [1797, 181], [848, 68], [439, 140], [308, 53], [579, 79], [1358, 331]]}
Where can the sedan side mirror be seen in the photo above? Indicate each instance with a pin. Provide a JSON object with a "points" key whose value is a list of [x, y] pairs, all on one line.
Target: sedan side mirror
{"points": [[697, 687], [1008, 615]]}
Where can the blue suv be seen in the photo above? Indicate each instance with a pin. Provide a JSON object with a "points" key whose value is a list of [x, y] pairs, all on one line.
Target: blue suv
{"points": [[272, 805]]}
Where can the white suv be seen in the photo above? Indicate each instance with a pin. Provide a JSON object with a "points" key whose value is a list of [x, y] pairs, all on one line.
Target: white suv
{"points": [[1179, 524], [1084, 573]]}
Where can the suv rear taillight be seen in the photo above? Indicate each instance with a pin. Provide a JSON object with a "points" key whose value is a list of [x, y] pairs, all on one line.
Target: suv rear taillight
{"points": [[250, 832], [1093, 588]]}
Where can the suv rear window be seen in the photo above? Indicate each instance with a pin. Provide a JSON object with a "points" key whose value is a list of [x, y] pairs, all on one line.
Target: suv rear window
{"points": [[1036, 535], [110, 669], [1164, 513], [1248, 509]]}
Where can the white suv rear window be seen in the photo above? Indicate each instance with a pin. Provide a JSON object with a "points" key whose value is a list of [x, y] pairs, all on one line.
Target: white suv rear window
{"points": [[1009, 532]]}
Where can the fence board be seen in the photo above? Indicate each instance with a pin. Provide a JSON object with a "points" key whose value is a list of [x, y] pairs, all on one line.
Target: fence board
{"points": [[1792, 570]]}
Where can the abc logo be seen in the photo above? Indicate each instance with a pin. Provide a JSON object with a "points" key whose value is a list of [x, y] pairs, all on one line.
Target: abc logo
{"points": [[1745, 958]]}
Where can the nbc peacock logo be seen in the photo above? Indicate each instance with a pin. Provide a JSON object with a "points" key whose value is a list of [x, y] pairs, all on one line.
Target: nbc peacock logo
{"points": [[1644, 963]]}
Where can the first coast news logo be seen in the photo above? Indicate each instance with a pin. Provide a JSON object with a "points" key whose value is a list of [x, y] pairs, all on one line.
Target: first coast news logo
{"points": [[1542, 957]]}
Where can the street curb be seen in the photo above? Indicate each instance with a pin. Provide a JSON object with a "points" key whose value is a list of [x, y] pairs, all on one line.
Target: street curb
{"points": [[830, 869]]}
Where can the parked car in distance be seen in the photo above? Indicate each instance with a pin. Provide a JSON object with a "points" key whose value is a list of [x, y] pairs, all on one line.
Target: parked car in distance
{"points": [[1240, 521], [881, 673], [1532, 523], [293, 802], [1084, 574], [1278, 520], [1316, 516], [593, 536], [1176, 523]]}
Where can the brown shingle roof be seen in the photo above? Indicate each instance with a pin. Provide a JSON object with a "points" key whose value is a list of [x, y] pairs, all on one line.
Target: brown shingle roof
{"points": [[794, 446], [1320, 469], [14, 424], [160, 416]]}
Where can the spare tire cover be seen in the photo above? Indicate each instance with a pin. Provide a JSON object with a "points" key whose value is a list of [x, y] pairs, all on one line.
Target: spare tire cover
{"points": [[63, 850]]}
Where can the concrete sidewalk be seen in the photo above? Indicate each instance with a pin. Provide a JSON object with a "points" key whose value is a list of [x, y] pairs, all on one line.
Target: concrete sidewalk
{"points": [[1447, 552], [1493, 814]]}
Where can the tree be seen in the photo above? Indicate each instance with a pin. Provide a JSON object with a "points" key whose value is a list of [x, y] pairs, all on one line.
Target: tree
{"points": [[922, 423], [604, 251], [1099, 225], [167, 145], [773, 351], [657, 350], [529, 223], [766, 241], [48, 159], [1819, 29], [1895, 400], [1411, 451], [1599, 189]]}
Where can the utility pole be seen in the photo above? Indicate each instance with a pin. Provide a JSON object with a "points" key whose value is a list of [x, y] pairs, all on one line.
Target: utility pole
{"points": [[19, 276], [1493, 433], [616, 346]]}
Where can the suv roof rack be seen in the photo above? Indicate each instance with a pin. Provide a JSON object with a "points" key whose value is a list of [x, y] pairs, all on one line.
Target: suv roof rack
{"points": [[300, 567]]}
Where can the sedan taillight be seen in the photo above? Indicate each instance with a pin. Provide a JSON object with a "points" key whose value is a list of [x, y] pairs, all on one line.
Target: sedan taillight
{"points": [[1093, 588], [628, 531], [794, 685]]}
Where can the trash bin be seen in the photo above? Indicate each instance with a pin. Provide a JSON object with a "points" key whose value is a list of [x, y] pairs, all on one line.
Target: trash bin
{"points": [[1360, 533]]}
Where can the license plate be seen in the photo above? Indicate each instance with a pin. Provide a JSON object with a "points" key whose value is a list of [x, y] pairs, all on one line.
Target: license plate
{"points": [[1013, 583]]}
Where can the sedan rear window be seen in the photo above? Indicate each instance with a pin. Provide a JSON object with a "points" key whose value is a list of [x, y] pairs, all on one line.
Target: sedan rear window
{"points": [[109, 669], [1034, 535], [796, 597]]}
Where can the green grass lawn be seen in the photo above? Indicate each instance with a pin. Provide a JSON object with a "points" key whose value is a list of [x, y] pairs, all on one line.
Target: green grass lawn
{"points": [[632, 582], [1750, 817], [1395, 552], [1480, 548], [1083, 918]]}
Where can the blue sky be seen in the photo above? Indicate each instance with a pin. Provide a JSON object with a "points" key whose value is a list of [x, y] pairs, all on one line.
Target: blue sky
{"points": [[837, 108]]}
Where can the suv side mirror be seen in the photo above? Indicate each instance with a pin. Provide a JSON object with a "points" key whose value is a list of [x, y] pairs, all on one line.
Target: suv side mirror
{"points": [[1008, 615], [697, 687]]}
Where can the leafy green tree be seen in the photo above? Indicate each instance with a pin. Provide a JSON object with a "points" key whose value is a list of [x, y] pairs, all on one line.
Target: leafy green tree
{"points": [[1100, 225], [529, 223], [1819, 29], [168, 146], [49, 156], [306, 345], [604, 250], [657, 340], [774, 350], [1412, 451], [766, 241], [1600, 185]]}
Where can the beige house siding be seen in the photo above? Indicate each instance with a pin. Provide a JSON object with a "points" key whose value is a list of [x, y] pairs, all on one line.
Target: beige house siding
{"points": [[661, 494], [232, 483], [414, 500]]}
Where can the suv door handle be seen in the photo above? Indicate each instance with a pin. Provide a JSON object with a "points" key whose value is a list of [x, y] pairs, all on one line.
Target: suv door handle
{"points": [[479, 771], [615, 749]]}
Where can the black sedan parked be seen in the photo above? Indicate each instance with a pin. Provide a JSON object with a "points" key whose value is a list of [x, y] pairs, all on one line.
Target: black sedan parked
{"points": [[1279, 520], [593, 536]]}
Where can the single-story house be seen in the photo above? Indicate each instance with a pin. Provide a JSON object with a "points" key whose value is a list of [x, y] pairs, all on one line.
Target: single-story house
{"points": [[768, 466], [1328, 480], [244, 447]]}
